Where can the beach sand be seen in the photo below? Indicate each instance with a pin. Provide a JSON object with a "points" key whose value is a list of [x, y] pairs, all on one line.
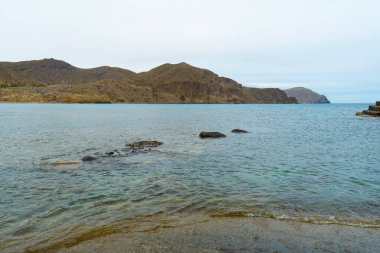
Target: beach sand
{"points": [[236, 234]]}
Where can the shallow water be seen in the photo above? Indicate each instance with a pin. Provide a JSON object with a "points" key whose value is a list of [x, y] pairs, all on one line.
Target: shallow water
{"points": [[317, 163]]}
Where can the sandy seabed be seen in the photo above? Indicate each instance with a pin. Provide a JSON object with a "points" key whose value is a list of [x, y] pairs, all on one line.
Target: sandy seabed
{"points": [[236, 234]]}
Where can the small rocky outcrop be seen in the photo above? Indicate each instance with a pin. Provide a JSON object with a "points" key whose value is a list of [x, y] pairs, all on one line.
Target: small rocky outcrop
{"points": [[133, 148], [373, 110], [211, 135], [238, 131], [144, 144]]}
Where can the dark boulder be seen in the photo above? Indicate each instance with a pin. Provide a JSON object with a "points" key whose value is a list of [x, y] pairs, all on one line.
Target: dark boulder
{"points": [[238, 131], [211, 135], [88, 158]]}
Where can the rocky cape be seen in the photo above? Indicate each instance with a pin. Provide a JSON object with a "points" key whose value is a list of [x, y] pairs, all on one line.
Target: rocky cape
{"points": [[54, 81], [306, 96]]}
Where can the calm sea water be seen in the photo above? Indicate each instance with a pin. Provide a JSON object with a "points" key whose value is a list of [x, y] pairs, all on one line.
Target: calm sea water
{"points": [[317, 163]]}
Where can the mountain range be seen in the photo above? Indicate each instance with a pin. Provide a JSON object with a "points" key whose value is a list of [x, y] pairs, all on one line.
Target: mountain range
{"points": [[56, 81]]}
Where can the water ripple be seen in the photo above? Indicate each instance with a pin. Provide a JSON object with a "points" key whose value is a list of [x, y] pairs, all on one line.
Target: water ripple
{"points": [[316, 163]]}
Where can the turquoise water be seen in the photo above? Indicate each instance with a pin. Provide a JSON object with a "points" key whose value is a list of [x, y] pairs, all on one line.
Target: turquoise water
{"points": [[317, 163]]}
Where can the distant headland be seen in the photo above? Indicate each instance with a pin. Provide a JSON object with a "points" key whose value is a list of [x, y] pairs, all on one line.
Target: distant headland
{"points": [[306, 96], [55, 81]]}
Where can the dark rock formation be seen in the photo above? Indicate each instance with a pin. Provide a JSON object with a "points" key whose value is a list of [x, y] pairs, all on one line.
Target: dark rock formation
{"points": [[238, 131], [306, 96], [134, 148], [211, 135], [373, 110]]}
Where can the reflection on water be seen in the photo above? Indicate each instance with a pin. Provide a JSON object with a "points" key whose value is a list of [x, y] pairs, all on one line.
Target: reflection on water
{"points": [[315, 163]]}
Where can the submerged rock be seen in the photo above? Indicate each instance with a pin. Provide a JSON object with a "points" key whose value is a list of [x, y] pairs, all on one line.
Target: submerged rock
{"points": [[237, 130], [144, 144], [211, 135], [133, 148], [64, 163]]}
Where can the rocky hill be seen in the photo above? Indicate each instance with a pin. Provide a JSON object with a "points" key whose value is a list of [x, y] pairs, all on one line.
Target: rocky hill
{"points": [[51, 72], [306, 96], [51, 80]]}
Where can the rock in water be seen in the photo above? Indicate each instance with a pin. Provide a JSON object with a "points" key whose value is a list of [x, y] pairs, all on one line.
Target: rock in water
{"points": [[373, 110], [144, 144], [211, 135], [133, 148], [88, 158], [237, 130]]}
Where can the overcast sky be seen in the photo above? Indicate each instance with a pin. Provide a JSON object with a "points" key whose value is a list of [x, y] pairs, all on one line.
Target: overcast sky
{"points": [[330, 46]]}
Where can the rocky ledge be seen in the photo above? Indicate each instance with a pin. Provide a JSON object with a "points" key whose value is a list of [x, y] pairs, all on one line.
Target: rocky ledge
{"points": [[373, 110]]}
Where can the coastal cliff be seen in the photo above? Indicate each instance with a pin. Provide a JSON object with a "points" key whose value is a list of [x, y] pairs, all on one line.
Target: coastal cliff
{"points": [[51, 80]]}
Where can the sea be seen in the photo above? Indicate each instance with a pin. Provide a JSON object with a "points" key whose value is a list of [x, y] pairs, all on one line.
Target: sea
{"points": [[316, 163]]}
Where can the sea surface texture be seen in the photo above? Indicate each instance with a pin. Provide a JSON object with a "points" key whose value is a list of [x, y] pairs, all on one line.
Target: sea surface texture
{"points": [[313, 163]]}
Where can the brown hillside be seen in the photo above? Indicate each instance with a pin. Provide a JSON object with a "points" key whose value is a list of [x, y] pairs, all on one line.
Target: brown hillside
{"points": [[56, 81], [185, 83]]}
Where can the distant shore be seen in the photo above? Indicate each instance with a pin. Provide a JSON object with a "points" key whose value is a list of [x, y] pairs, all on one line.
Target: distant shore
{"points": [[223, 234], [51, 80]]}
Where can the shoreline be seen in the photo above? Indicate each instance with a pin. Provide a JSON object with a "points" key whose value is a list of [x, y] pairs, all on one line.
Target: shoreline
{"points": [[237, 235], [202, 233]]}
